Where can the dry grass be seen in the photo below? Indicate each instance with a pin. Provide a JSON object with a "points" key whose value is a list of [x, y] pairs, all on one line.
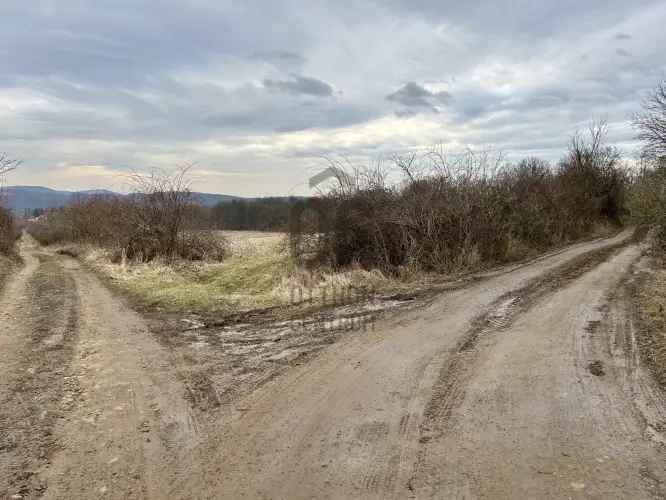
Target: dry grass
{"points": [[7, 266], [258, 273], [652, 309]]}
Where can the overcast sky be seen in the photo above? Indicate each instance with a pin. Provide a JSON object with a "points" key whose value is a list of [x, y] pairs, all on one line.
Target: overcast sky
{"points": [[254, 94]]}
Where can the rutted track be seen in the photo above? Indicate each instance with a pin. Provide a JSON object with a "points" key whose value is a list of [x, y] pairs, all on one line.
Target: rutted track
{"points": [[556, 406], [350, 423], [91, 404], [39, 332], [374, 415]]}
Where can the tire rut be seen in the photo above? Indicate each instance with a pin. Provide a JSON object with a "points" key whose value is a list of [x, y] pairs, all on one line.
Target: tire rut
{"points": [[90, 403], [449, 390], [528, 411], [131, 432], [36, 392], [304, 434]]}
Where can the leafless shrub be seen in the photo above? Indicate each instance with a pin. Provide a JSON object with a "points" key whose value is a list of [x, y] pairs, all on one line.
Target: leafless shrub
{"points": [[8, 229], [154, 221], [52, 227], [651, 123], [648, 198], [593, 180], [648, 201], [8, 232], [448, 213]]}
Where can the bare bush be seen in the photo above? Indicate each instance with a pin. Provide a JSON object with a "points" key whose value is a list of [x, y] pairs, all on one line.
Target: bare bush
{"points": [[8, 230], [651, 123], [593, 180], [648, 201], [157, 220], [648, 198], [158, 213], [449, 213]]}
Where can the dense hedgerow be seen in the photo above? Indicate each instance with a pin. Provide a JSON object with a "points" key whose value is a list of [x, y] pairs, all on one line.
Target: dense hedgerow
{"points": [[447, 214]]}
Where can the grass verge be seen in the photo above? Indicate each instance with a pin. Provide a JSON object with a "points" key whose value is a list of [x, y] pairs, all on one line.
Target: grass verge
{"points": [[7, 266], [651, 300]]}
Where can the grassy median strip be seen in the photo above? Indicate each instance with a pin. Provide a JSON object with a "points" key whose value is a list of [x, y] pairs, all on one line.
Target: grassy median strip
{"points": [[258, 273]]}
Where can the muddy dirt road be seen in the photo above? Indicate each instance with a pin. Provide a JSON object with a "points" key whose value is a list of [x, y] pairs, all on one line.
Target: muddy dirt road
{"points": [[526, 382], [91, 405]]}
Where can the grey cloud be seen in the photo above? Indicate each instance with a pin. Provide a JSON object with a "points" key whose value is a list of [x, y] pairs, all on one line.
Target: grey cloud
{"points": [[414, 95], [300, 85], [282, 118], [405, 113], [279, 57], [218, 71]]}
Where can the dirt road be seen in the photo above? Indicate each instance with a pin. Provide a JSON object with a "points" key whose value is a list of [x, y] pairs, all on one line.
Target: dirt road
{"points": [[91, 403], [525, 382]]}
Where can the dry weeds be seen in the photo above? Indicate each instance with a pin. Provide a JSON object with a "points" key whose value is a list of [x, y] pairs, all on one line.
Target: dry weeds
{"points": [[259, 273], [651, 298]]}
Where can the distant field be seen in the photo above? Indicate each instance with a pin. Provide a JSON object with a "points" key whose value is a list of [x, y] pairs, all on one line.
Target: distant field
{"points": [[249, 278], [241, 242]]}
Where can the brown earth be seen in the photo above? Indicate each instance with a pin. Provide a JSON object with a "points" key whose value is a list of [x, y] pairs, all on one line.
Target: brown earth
{"points": [[526, 382]]}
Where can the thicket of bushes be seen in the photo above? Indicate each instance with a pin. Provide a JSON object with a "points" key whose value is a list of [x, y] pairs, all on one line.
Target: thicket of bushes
{"points": [[648, 201], [157, 221], [448, 214], [8, 232], [648, 198], [8, 229]]}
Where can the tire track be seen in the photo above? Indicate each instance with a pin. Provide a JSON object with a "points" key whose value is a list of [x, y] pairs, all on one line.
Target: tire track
{"points": [[299, 435], [449, 390], [36, 389], [131, 433], [529, 416]]}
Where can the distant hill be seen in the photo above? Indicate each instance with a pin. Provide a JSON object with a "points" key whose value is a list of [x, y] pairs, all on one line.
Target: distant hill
{"points": [[30, 197], [208, 200]]}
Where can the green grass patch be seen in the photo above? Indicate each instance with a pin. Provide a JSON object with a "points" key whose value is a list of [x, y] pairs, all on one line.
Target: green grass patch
{"points": [[246, 280]]}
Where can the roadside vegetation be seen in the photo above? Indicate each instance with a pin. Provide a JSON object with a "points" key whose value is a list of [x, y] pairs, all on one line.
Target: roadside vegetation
{"points": [[156, 221], [648, 207], [426, 219], [417, 219], [463, 213], [9, 230], [650, 295], [257, 273]]}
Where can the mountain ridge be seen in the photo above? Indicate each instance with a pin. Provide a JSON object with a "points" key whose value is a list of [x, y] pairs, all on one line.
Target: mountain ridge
{"points": [[32, 197]]}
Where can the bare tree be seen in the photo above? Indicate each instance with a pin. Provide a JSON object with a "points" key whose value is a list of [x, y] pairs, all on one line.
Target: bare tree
{"points": [[7, 227], [651, 123], [161, 204], [6, 165]]}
